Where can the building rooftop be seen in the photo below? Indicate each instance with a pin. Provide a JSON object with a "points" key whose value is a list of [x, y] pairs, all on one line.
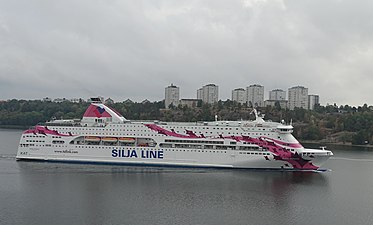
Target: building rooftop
{"points": [[255, 85], [172, 86]]}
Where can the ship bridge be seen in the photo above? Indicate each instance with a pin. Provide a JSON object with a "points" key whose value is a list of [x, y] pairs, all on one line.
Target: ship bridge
{"points": [[285, 129]]}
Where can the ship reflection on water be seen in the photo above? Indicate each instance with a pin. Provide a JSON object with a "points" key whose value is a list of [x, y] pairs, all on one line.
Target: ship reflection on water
{"points": [[116, 194]]}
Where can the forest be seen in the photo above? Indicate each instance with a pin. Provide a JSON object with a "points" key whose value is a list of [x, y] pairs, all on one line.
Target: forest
{"points": [[328, 124]]}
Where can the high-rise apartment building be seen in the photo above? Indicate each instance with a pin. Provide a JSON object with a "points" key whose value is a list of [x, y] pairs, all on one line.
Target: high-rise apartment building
{"points": [[298, 97], [172, 95], [208, 93], [255, 95], [283, 104], [200, 93], [277, 95], [313, 100], [239, 95]]}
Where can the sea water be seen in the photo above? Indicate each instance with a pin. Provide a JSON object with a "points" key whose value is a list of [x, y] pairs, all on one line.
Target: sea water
{"points": [[61, 193]]}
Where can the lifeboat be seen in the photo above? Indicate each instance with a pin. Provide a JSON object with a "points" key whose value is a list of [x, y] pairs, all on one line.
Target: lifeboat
{"points": [[126, 140], [109, 139], [92, 138]]}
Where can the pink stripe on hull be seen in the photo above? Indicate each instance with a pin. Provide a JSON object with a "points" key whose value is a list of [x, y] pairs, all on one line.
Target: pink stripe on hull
{"points": [[291, 145], [45, 131], [276, 147]]}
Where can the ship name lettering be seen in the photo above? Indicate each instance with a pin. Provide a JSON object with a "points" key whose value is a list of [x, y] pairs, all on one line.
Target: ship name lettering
{"points": [[151, 154], [124, 153], [145, 154]]}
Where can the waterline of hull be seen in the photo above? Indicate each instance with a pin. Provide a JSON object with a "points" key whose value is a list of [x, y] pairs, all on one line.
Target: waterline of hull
{"points": [[276, 165]]}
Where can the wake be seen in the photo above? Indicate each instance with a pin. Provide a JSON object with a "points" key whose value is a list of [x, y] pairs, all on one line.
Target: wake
{"points": [[352, 159], [7, 156]]}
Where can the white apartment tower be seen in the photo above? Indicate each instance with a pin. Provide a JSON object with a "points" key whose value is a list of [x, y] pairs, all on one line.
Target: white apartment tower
{"points": [[298, 97], [239, 95], [277, 95], [200, 93], [312, 101], [255, 95], [208, 93], [172, 95]]}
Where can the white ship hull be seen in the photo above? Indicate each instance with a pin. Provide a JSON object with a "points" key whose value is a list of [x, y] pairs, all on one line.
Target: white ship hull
{"points": [[255, 145], [161, 157]]}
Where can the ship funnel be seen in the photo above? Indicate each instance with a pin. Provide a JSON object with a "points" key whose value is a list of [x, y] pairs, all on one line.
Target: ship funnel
{"points": [[96, 100]]}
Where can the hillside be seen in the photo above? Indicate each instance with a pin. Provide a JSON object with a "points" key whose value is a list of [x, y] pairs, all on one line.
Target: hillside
{"points": [[329, 124]]}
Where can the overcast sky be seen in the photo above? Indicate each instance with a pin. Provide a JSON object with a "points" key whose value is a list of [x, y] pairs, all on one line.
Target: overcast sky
{"points": [[134, 49]]}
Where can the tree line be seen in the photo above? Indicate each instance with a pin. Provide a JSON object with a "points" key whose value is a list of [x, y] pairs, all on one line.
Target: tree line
{"points": [[329, 123]]}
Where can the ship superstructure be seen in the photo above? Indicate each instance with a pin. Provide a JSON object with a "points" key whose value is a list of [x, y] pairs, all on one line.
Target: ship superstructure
{"points": [[105, 136]]}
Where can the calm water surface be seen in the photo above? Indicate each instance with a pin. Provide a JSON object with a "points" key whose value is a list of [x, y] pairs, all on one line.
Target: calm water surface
{"points": [[58, 193]]}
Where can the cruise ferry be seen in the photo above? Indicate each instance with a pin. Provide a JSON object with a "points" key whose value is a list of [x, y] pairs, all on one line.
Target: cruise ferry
{"points": [[104, 136]]}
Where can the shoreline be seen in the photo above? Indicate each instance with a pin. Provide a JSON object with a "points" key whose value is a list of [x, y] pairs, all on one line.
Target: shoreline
{"points": [[14, 127], [347, 144]]}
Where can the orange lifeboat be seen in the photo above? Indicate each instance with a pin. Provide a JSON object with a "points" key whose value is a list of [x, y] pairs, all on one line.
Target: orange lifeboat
{"points": [[109, 139], [126, 140], [92, 138]]}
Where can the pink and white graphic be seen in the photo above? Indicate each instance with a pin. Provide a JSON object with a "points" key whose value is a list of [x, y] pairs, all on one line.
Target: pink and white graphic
{"points": [[96, 111], [45, 131], [172, 133], [276, 147]]}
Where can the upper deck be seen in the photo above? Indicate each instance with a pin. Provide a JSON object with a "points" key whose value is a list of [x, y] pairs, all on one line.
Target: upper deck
{"points": [[100, 115]]}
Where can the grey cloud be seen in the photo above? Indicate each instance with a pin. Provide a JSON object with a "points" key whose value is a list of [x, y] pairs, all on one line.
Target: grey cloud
{"points": [[133, 49]]}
